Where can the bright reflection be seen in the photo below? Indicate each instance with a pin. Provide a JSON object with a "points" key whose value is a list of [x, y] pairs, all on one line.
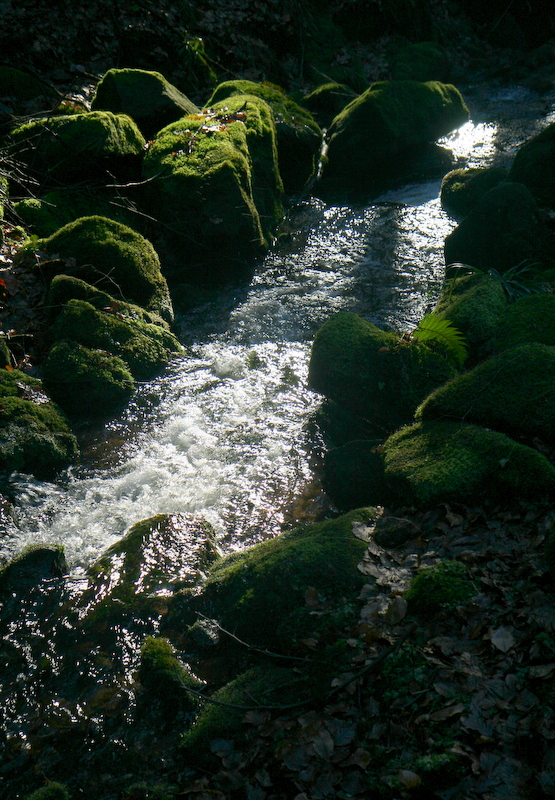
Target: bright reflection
{"points": [[475, 143]]}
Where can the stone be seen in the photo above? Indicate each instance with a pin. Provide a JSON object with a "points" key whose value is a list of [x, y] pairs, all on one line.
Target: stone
{"points": [[353, 475], [534, 165], [36, 564], [327, 101], [462, 189]]}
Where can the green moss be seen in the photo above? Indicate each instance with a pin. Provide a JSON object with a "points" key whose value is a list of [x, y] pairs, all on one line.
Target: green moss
{"points": [[79, 146], [376, 135], [65, 287], [46, 215], [435, 462], [163, 676], [372, 373], [534, 164], [143, 347], [443, 586], [126, 261], [420, 61], [147, 97], [5, 357], [215, 183], [474, 305], [84, 382], [298, 135], [462, 189], [269, 581], [512, 392], [328, 100], [505, 229], [52, 791], [529, 319]]}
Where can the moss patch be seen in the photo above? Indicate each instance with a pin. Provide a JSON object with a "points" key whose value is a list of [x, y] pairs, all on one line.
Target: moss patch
{"points": [[372, 373], [529, 319], [298, 135], [164, 677], [86, 383], [52, 791], [462, 189], [436, 462], [441, 587], [143, 347]]}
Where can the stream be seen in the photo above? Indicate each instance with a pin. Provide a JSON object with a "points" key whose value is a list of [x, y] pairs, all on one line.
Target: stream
{"points": [[223, 434]]}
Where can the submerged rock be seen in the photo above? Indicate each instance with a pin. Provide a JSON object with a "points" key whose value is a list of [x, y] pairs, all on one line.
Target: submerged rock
{"points": [[147, 97], [462, 189], [79, 147], [437, 462], [378, 135], [299, 137], [114, 257], [373, 373]]}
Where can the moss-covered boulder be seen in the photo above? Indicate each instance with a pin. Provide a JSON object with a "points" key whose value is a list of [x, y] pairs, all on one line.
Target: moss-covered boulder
{"points": [[462, 189], [512, 392], [164, 678], [215, 186], [377, 136], [35, 564], [86, 383], [530, 319], [437, 462], [420, 61], [505, 229], [270, 580], [327, 101], [474, 305], [534, 166], [373, 373], [439, 588], [354, 475], [66, 287], [147, 97], [298, 135], [34, 435], [119, 260], [45, 215], [88, 146], [143, 347]]}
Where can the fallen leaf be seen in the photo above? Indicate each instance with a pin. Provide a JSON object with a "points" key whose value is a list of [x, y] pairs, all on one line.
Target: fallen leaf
{"points": [[503, 639], [396, 611], [409, 779], [541, 671]]}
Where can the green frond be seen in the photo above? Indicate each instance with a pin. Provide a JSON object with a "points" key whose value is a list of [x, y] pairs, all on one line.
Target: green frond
{"points": [[433, 328]]}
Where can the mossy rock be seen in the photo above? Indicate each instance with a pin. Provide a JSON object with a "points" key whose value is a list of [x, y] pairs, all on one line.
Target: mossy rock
{"points": [[46, 215], [505, 229], [473, 304], [52, 791], [34, 434], [165, 678], [462, 189], [21, 86], [512, 392], [215, 186], [439, 588], [147, 97], [299, 137], [123, 262], [77, 147], [534, 165], [269, 581], [66, 287], [376, 138], [143, 347], [327, 101], [372, 372], [420, 61], [84, 382], [5, 357], [354, 475], [35, 564], [437, 462], [529, 319]]}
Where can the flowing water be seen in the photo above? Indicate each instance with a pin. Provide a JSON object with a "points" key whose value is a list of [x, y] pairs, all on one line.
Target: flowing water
{"points": [[223, 432]]}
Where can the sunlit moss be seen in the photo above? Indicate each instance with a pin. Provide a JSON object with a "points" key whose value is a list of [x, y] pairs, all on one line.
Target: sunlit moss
{"points": [[442, 586]]}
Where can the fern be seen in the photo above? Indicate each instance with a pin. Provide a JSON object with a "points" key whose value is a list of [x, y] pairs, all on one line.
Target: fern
{"points": [[517, 281], [433, 328]]}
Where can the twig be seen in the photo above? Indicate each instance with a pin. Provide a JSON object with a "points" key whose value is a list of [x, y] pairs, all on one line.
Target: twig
{"points": [[252, 647]]}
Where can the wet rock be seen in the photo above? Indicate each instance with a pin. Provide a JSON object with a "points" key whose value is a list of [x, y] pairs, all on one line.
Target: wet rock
{"points": [[437, 462], [373, 373], [299, 137], [36, 564], [164, 678], [147, 97], [505, 229], [462, 189], [79, 147], [534, 165], [114, 257], [215, 186], [375, 139]]}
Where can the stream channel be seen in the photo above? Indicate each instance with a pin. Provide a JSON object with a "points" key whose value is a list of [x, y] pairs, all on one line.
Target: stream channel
{"points": [[223, 434]]}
